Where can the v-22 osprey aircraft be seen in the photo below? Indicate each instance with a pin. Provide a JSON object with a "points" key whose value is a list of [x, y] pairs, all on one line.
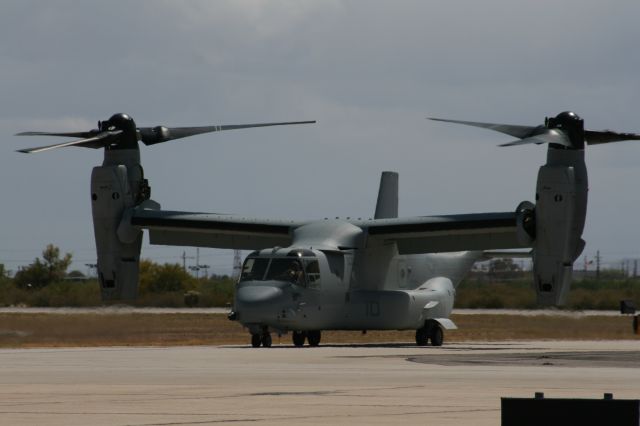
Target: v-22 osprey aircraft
{"points": [[385, 273]]}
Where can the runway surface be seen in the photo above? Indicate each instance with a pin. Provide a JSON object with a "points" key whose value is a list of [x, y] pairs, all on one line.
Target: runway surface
{"points": [[459, 384], [124, 309]]}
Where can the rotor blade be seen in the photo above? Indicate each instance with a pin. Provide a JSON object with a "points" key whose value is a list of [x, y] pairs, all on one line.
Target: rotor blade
{"points": [[97, 141], [67, 134], [153, 135], [546, 136], [594, 137], [509, 129]]}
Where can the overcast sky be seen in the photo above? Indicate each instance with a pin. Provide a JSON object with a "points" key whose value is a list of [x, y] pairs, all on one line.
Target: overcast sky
{"points": [[368, 71]]}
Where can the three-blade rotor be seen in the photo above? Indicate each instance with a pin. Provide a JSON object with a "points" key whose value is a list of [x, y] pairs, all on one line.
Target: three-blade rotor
{"points": [[566, 130], [120, 132]]}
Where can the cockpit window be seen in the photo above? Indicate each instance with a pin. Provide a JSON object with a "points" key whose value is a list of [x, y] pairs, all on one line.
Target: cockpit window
{"points": [[254, 269], [299, 271], [286, 270], [312, 270]]}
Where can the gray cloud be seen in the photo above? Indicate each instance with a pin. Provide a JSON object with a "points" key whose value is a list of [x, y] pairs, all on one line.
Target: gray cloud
{"points": [[369, 71]]}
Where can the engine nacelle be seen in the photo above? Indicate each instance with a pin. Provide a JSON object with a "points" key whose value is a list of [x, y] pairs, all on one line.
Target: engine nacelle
{"points": [[560, 211], [115, 188]]}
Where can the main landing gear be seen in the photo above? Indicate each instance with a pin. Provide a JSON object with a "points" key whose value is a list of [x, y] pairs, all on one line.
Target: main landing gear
{"points": [[431, 331], [312, 336]]}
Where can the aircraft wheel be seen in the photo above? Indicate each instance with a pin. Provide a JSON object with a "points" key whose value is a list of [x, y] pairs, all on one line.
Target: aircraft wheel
{"points": [[313, 337], [298, 338], [437, 337], [422, 337], [256, 339], [266, 340]]}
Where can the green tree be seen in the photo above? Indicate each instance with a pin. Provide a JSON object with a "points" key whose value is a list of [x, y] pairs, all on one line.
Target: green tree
{"points": [[4, 275], [156, 278], [76, 275], [52, 268], [504, 268]]}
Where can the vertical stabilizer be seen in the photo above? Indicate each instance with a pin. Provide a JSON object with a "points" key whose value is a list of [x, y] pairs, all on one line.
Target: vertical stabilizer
{"points": [[387, 205]]}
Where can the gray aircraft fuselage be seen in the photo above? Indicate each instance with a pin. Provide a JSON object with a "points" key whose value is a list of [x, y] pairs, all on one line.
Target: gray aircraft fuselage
{"points": [[350, 289]]}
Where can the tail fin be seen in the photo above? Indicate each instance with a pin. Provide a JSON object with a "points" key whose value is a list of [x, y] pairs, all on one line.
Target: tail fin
{"points": [[387, 205]]}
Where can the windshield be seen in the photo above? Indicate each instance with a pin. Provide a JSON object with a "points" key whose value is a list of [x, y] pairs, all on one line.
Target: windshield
{"points": [[312, 271], [286, 270], [299, 271], [254, 268]]}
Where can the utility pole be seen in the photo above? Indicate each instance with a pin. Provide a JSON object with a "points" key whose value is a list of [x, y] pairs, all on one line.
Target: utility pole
{"points": [[196, 268], [635, 268], [184, 260], [598, 265], [206, 270], [237, 264]]}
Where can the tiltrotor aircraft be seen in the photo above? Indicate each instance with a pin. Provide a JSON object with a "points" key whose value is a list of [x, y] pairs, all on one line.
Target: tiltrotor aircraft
{"points": [[340, 274]]}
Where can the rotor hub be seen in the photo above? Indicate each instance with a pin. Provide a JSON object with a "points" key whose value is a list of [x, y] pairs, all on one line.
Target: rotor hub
{"points": [[571, 124], [128, 139]]}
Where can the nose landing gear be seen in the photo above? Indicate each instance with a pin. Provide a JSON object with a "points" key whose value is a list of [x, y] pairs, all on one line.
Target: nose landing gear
{"points": [[256, 339], [263, 339], [298, 338]]}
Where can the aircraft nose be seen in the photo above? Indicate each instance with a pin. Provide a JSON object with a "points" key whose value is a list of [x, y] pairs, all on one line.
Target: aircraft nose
{"points": [[258, 294]]}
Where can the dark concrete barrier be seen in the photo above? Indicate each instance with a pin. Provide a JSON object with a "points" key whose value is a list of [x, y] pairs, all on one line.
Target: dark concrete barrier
{"points": [[540, 411]]}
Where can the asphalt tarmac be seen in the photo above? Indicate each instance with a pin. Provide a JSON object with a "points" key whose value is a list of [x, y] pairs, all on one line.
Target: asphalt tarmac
{"points": [[125, 309], [458, 384]]}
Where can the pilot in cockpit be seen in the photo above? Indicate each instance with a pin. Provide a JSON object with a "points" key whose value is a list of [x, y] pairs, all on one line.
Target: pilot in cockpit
{"points": [[294, 272]]}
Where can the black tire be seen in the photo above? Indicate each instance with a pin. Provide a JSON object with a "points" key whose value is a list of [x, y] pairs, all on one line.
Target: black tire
{"points": [[266, 340], [298, 338], [422, 337], [313, 337], [256, 339], [436, 336]]}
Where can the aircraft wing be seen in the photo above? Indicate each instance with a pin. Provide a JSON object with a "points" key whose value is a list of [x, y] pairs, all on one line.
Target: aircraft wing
{"points": [[213, 230], [433, 234]]}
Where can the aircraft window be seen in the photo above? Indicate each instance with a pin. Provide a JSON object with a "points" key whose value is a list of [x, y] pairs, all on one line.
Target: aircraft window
{"points": [[286, 270], [254, 268], [312, 271]]}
